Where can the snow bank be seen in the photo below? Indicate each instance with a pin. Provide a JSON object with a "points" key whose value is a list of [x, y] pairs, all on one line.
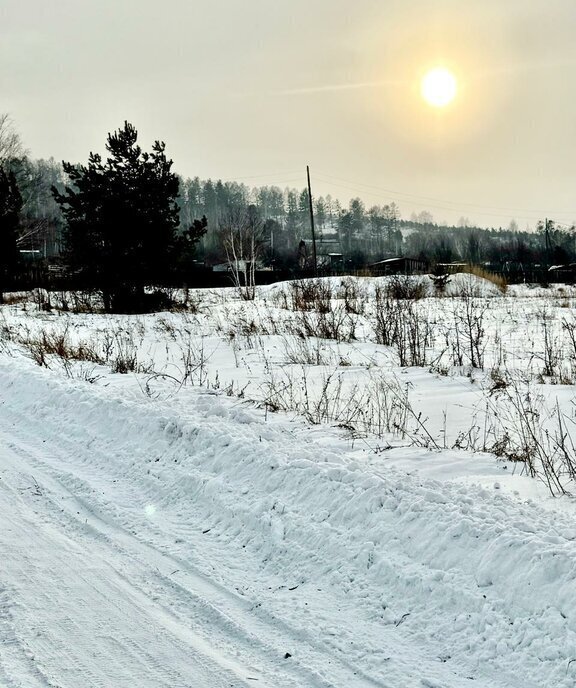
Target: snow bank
{"points": [[460, 284], [368, 560]]}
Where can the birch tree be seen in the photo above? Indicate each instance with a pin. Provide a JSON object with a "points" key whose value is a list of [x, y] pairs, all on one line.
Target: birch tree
{"points": [[242, 238]]}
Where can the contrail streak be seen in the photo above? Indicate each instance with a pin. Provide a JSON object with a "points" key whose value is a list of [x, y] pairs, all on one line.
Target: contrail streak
{"points": [[476, 74], [337, 87]]}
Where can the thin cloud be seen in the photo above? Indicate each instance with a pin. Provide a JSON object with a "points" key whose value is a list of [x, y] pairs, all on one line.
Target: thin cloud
{"points": [[336, 87], [518, 68]]}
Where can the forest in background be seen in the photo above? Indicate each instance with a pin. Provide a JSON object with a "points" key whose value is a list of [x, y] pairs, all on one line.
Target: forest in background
{"points": [[365, 233], [360, 234]]}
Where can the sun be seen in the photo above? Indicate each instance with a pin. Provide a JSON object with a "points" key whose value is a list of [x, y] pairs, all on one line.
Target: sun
{"points": [[438, 87]]}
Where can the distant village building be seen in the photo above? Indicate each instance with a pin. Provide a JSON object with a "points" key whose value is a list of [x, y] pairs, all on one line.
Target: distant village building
{"points": [[329, 254], [563, 273], [452, 268], [240, 266], [401, 265], [331, 261]]}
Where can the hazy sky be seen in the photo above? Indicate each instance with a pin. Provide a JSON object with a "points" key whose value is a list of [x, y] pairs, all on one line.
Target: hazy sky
{"points": [[253, 90]]}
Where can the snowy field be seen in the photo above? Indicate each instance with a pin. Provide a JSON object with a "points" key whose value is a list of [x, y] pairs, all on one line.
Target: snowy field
{"points": [[328, 486]]}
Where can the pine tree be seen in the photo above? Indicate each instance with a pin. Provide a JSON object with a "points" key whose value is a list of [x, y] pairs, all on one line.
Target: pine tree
{"points": [[10, 207], [122, 218]]}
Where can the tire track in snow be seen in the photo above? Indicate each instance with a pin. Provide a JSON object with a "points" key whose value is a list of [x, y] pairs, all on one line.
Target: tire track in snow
{"points": [[411, 507], [65, 601], [133, 572]]}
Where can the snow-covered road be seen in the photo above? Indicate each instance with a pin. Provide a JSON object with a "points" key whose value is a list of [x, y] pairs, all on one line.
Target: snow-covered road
{"points": [[196, 542]]}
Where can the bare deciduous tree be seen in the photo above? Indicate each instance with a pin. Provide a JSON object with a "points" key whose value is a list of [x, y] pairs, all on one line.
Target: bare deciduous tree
{"points": [[242, 238], [10, 142]]}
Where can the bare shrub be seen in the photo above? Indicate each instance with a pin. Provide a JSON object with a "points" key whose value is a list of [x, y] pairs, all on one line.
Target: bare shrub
{"points": [[454, 346], [569, 328], [37, 353], [311, 295], [469, 323], [125, 358], [85, 302], [241, 325], [375, 406], [386, 320], [499, 380], [336, 324], [399, 324], [525, 431], [307, 351], [41, 297], [193, 302], [14, 298], [552, 352], [354, 296], [7, 333], [167, 327], [81, 372], [407, 287], [279, 298], [68, 301], [59, 343], [194, 360], [440, 282]]}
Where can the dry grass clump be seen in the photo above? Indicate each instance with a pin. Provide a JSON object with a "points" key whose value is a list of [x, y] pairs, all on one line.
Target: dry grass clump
{"points": [[48, 343], [354, 296], [399, 324], [311, 295], [117, 348], [337, 325], [15, 297], [496, 280], [407, 288]]}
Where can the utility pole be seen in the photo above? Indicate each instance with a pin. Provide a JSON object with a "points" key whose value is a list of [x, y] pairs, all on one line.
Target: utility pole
{"points": [[312, 222], [547, 241]]}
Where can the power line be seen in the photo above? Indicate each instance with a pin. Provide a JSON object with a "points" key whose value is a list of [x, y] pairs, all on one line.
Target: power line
{"points": [[274, 182], [292, 172], [457, 204], [421, 201], [418, 203]]}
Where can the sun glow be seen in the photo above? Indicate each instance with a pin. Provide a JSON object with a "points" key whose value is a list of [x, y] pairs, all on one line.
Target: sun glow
{"points": [[438, 87]]}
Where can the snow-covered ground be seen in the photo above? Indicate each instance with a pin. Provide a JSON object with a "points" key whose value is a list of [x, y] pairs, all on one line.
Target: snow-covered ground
{"points": [[253, 507]]}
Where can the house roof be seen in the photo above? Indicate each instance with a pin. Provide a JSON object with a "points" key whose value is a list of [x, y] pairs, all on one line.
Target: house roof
{"points": [[397, 260]]}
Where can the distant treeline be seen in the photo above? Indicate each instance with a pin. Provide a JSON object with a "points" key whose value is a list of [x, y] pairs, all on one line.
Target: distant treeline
{"points": [[363, 234], [222, 222]]}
